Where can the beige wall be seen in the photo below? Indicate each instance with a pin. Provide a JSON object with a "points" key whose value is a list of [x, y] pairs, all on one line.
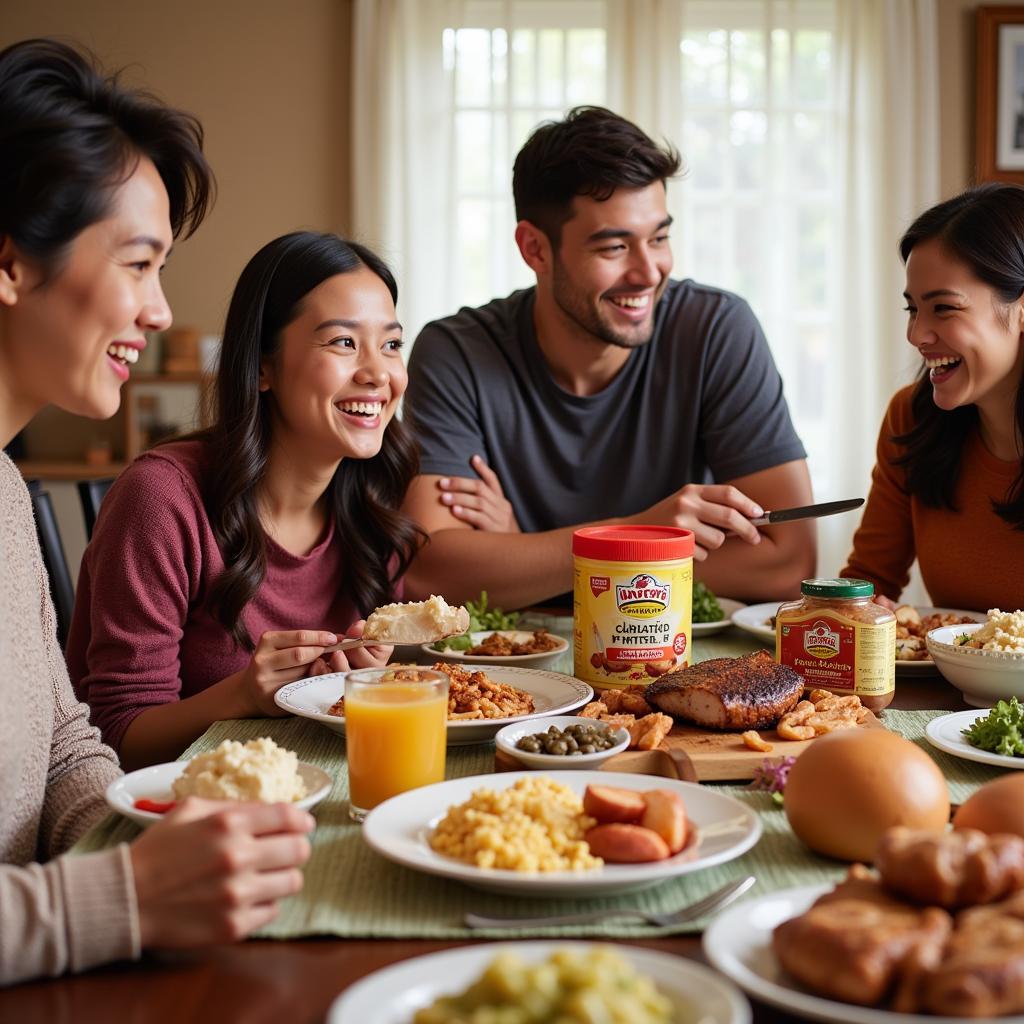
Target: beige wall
{"points": [[268, 80], [956, 90]]}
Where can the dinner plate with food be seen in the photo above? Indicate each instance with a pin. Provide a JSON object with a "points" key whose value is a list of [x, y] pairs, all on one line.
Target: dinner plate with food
{"points": [[925, 936], [738, 943], [535, 648], [481, 698], [912, 626], [562, 833], [257, 770], [643, 986], [987, 735]]}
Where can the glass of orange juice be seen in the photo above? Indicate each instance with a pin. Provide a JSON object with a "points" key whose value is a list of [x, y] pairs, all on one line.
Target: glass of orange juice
{"points": [[396, 730]]}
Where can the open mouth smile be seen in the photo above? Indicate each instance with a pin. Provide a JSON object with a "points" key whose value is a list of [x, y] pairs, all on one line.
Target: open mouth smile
{"points": [[941, 367]]}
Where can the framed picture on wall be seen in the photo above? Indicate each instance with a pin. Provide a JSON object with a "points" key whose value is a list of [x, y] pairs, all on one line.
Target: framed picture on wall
{"points": [[999, 128]]}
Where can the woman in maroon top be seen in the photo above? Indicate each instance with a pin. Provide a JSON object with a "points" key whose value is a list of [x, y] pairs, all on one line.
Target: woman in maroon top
{"points": [[223, 564]]}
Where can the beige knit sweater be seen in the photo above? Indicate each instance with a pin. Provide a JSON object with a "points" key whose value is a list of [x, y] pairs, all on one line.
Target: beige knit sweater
{"points": [[71, 912]]}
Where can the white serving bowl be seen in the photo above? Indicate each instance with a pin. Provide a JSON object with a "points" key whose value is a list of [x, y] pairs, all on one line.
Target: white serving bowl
{"points": [[506, 740], [543, 659], [982, 676]]}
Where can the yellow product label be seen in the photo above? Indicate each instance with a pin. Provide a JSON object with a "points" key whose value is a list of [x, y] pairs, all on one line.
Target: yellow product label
{"points": [[631, 620], [839, 653]]}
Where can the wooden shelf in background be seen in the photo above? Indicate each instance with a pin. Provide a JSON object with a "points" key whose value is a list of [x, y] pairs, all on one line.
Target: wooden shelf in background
{"points": [[54, 469]]}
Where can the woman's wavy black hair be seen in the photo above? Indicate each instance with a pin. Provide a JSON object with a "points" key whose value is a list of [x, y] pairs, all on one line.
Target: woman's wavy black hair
{"points": [[70, 135], [364, 495], [984, 229]]}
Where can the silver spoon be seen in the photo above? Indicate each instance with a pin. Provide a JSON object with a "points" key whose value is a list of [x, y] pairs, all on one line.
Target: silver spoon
{"points": [[713, 901]]}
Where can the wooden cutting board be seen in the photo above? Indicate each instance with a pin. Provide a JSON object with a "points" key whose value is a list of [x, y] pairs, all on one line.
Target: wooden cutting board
{"points": [[715, 756]]}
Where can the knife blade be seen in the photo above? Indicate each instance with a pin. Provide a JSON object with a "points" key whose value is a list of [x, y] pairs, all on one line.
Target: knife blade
{"points": [[825, 508]]}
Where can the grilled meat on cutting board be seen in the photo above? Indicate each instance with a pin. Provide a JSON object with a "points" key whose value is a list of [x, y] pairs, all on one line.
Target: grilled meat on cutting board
{"points": [[752, 692]]}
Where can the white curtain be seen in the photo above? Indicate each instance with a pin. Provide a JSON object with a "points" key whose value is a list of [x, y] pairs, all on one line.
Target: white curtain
{"points": [[884, 154]]}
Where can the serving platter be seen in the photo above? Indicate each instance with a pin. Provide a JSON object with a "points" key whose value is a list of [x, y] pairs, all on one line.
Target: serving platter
{"points": [[392, 995], [155, 782], [400, 828], [738, 942], [554, 693], [729, 608], [945, 733]]}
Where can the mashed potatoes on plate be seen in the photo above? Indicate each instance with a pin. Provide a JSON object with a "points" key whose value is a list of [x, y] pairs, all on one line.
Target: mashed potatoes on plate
{"points": [[257, 770]]}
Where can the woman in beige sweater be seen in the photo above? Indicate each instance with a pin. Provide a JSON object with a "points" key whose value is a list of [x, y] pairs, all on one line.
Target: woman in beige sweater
{"points": [[95, 183]]}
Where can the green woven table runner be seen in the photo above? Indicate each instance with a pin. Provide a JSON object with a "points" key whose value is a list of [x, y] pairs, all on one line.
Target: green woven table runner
{"points": [[350, 891]]}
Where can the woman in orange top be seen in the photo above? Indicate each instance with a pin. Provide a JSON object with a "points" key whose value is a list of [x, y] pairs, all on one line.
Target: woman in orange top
{"points": [[948, 486]]}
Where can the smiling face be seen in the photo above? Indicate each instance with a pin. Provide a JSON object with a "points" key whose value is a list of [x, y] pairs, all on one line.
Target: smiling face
{"points": [[612, 264], [969, 339], [70, 340], [337, 375]]}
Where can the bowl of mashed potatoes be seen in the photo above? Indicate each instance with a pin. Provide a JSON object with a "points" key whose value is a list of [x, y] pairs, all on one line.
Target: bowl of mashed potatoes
{"points": [[985, 661], [256, 770]]}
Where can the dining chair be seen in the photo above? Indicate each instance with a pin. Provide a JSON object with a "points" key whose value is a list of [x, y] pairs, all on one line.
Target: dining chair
{"points": [[61, 589], [91, 494]]}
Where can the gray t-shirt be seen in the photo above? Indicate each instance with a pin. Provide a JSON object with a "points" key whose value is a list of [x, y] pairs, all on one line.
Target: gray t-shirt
{"points": [[702, 402]]}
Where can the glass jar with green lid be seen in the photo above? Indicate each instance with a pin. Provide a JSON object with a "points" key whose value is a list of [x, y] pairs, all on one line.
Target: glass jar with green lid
{"points": [[838, 639]]}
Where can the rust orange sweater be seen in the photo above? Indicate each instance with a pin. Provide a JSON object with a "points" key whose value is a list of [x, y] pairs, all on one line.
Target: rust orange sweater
{"points": [[970, 558]]}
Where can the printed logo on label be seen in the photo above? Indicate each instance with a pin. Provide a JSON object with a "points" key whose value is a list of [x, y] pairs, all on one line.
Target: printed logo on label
{"points": [[820, 641], [599, 584], [643, 597]]}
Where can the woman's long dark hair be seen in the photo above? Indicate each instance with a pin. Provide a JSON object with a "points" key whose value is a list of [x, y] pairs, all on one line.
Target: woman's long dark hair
{"points": [[983, 228], [377, 540]]}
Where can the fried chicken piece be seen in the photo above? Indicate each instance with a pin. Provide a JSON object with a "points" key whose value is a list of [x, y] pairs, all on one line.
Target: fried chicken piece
{"points": [[632, 703], [982, 971], [827, 713], [595, 709], [851, 944], [647, 732], [753, 739], [951, 869]]}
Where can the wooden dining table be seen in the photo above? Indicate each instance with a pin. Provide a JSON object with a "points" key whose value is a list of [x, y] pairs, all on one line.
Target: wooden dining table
{"points": [[296, 980]]}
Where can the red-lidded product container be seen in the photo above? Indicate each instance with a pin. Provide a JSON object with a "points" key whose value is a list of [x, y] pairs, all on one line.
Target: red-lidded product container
{"points": [[632, 603], [838, 639]]}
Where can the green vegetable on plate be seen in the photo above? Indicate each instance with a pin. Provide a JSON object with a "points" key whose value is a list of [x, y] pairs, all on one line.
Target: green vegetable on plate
{"points": [[1001, 730], [705, 605]]}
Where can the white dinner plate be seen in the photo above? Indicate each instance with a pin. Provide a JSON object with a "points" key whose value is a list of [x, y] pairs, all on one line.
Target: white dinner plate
{"points": [[520, 636], [400, 828], [729, 608], [754, 619], [154, 783], [738, 942], [554, 693], [946, 733], [392, 995]]}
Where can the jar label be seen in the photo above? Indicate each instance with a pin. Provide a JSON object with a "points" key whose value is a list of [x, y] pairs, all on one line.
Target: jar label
{"points": [[631, 620], [838, 653]]}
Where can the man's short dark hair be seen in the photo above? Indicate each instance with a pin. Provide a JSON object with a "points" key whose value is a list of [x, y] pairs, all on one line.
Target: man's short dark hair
{"points": [[592, 152]]}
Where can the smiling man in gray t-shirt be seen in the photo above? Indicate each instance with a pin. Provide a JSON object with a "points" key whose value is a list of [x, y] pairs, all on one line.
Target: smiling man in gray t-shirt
{"points": [[607, 393]]}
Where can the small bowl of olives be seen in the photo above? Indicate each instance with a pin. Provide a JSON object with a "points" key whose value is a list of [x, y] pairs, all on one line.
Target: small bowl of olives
{"points": [[562, 741]]}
